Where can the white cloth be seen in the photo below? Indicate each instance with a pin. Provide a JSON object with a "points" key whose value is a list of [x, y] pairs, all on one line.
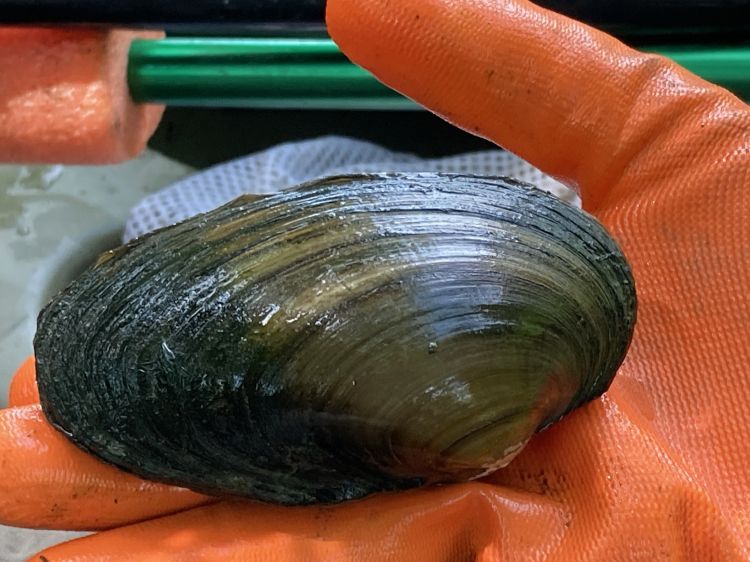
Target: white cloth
{"points": [[290, 164]]}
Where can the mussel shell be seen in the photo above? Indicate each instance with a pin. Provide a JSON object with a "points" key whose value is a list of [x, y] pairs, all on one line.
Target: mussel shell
{"points": [[353, 335]]}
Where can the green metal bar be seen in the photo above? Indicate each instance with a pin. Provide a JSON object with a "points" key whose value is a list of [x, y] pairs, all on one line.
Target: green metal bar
{"points": [[278, 72], [313, 73]]}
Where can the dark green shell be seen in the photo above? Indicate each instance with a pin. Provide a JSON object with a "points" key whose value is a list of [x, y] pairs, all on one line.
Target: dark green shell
{"points": [[354, 335]]}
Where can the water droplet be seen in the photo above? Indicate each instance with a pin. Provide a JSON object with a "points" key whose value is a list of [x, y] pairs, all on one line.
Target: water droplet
{"points": [[168, 353], [295, 317], [38, 177], [272, 310], [50, 176], [22, 228]]}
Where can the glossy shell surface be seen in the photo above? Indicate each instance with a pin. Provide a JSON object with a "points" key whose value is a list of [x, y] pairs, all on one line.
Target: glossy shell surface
{"points": [[353, 335]]}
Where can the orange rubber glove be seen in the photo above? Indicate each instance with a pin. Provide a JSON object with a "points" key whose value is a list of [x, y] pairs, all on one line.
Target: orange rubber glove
{"points": [[655, 470]]}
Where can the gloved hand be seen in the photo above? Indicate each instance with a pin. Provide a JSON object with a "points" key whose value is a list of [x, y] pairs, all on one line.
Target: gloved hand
{"points": [[655, 470]]}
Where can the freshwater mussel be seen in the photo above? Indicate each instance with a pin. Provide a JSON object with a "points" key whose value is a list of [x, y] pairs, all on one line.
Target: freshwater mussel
{"points": [[353, 335]]}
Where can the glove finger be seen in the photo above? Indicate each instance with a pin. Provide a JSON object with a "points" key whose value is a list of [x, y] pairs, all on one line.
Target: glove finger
{"points": [[574, 101], [661, 156], [48, 483], [23, 389], [453, 523]]}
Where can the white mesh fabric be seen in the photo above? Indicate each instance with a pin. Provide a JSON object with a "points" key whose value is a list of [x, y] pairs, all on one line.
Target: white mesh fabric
{"points": [[290, 164]]}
